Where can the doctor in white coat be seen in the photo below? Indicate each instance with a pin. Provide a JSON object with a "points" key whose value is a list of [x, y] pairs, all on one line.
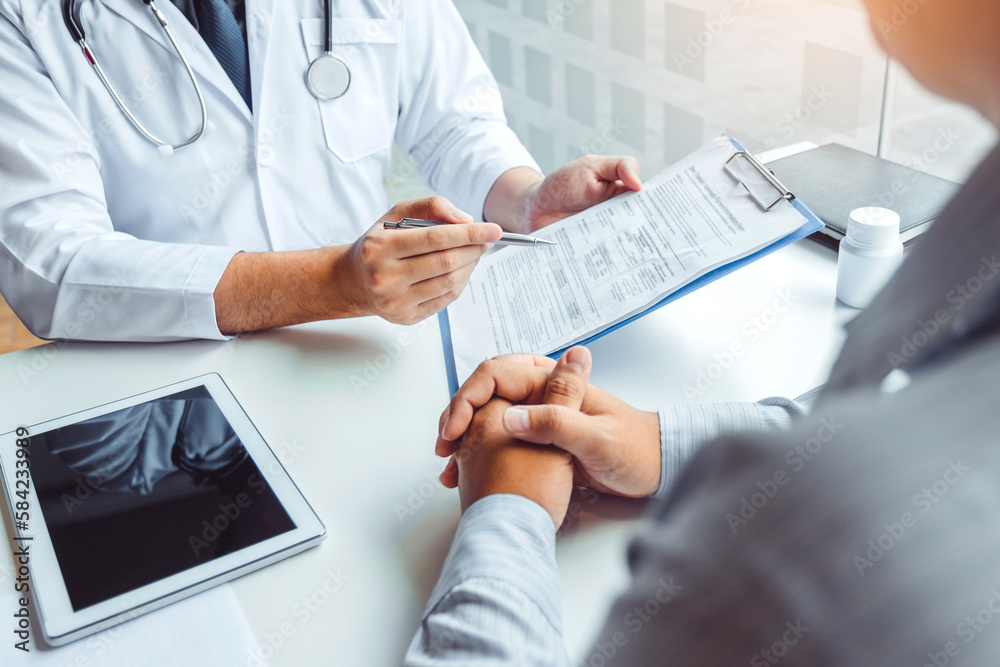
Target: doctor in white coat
{"points": [[274, 216]]}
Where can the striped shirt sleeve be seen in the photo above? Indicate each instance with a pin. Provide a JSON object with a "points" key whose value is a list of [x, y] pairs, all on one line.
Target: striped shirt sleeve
{"points": [[685, 428], [498, 600]]}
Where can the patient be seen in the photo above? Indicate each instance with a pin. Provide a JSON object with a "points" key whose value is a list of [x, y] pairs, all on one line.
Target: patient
{"points": [[865, 533]]}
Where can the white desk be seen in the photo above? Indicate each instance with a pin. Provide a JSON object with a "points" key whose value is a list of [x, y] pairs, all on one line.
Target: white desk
{"points": [[361, 453]]}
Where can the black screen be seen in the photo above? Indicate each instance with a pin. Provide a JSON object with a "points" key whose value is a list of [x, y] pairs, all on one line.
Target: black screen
{"points": [[146, 492]]}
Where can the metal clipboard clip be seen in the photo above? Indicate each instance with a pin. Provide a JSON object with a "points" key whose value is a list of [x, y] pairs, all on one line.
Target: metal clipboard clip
{"points": [[758, 180]]}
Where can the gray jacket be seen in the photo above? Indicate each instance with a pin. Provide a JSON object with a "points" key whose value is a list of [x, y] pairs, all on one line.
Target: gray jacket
{"points": [[868, 534]]}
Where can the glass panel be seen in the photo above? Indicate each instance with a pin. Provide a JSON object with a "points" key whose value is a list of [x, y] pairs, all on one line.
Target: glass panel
{"points": [[932, 134], [657, 78]]}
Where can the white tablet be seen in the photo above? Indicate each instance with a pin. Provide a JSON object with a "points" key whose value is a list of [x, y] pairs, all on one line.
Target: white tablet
{"points": [[127, 507]]}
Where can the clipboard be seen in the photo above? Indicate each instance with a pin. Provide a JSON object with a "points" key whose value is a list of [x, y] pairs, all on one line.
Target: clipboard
{"points": [[763, 187]]}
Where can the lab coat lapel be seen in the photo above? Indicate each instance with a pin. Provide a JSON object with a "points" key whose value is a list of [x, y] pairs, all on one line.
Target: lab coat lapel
{"points": [[206, 67], [259, 22]]}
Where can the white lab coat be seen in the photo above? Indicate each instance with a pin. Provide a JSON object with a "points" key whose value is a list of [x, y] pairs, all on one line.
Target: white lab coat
{"points": [[101, 238]]}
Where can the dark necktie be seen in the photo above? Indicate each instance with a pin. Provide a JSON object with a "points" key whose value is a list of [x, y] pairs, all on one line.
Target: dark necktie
{"points": [[219, 29]]}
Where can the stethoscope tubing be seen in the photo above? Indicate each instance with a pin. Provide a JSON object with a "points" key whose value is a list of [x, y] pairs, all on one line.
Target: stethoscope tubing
{"points": [[77, 31], [75, 27]]}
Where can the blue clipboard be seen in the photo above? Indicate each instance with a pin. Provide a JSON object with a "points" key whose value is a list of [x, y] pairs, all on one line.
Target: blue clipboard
{"points": [[813, 224]]}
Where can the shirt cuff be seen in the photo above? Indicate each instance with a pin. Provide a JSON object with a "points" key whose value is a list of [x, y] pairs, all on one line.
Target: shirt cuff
{"points": [[685, 428], [199, 293], [508, 538]]}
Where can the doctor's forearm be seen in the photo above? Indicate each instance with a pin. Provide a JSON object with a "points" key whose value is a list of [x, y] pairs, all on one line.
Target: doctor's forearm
{"points": [[509, 201], [274, 289]]}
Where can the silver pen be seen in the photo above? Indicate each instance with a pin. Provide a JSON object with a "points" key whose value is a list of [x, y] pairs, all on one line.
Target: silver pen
{"points": [[508, 238]]}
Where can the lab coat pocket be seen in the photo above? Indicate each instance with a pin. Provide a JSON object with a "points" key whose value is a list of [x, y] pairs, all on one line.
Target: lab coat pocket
{"points": [[363, 121]]}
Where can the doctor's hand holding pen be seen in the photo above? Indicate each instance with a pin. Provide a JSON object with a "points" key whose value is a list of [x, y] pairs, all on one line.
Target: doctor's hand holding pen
{"points": [[407, 277], [401, 277]]}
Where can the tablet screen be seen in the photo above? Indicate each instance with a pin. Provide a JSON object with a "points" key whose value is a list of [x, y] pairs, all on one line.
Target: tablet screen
{"points": [[140, 494]]}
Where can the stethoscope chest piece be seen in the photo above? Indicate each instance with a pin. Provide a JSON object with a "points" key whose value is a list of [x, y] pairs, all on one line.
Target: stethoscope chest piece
{"points": [[328, 77]]}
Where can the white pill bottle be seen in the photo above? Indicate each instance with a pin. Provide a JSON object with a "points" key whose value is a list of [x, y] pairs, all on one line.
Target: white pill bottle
{"points": [[869, 254]]}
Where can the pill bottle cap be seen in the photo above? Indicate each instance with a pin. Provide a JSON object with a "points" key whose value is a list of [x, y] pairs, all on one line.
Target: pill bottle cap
{"points": [[873, 226]]}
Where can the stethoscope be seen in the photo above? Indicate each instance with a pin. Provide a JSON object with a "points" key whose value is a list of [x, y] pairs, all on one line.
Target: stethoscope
{"points": [[327, 78]]}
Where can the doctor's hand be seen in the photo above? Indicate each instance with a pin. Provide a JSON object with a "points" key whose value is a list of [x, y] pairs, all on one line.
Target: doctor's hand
{"points": [[615, 447], [521, 200], [489, 461], [404, 276]]}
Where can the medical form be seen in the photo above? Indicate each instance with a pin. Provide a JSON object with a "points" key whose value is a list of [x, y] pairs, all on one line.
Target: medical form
{"points": [[613, 261]]}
